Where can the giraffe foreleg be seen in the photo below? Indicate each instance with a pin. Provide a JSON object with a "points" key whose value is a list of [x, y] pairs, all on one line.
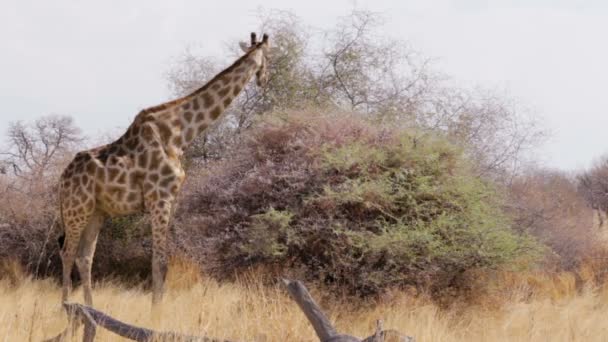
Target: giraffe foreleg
{"points": [[160, 215]]}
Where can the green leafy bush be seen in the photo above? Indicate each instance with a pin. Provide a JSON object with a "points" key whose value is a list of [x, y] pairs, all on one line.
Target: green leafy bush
{"points": [[350, 204]]}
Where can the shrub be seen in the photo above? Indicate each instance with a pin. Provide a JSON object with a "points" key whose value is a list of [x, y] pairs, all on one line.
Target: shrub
{"points": [[349, 204], [26, 219], [548, 205]]}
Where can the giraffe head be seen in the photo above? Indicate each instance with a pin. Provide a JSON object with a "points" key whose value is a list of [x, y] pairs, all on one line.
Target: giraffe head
{"points": [[262, 47]]}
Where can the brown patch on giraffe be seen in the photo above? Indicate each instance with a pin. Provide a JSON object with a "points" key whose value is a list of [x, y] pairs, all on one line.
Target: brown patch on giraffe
{"points": [[195, 105], [177, 141], [147, 118], [200, 117], [227, 101], [166, 170], [132, 197], [142, 160], [186, 106], [112, 174], [153, 177], [207, 100], [134, 130], [154, 196], [166, 181], [89, 205], [136, 177], [69, 170], [132, 143], [216, 112], [90, 168], [164, 130], [122, 178], [189, 134], [222, 93], [155, 160], [215, 86], [81, 157], [236, 90], [148, 187], [188, 116], [112, 151], [103, 155], [176, 122], [147, 133], [240, 69], [226, 79], [164, 194]]}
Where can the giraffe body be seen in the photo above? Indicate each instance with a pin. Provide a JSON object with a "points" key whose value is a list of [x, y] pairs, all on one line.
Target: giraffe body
{"points": [[142, 172]]}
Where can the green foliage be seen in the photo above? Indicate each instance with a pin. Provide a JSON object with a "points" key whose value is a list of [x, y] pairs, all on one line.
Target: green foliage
{"points": [[423, 208], [125, 228], [269, 235], [360, 207]]}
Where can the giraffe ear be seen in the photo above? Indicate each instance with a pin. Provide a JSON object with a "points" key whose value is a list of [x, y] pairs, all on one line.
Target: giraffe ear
{"points": [[244, 46]]}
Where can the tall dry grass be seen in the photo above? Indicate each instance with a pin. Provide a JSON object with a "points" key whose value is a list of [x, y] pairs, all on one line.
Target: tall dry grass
{"points": [[533, 308]]}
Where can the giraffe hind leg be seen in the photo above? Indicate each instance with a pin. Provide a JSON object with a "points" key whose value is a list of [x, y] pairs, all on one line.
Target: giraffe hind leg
{"points": [[86, 251], [68, 256], [75, 224]]}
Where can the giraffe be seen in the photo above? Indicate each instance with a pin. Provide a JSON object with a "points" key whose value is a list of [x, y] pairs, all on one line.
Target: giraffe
{"points": [[142, 172]]}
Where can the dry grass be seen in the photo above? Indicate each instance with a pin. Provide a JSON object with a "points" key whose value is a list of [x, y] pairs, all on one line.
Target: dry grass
{"points": [[534, 308]]}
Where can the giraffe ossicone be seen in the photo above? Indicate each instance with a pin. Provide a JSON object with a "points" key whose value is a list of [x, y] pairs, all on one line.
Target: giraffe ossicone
{"points": [[142, 172]]}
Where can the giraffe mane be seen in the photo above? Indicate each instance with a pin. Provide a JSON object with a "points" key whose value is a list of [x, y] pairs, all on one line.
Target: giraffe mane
{"points": [[172, 103]]}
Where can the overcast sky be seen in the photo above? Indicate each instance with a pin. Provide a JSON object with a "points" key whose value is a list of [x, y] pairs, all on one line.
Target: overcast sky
{"points": [[102, 62]]}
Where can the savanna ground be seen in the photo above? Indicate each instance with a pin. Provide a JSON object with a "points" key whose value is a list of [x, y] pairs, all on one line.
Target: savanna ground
{"points": [[513, 307]]}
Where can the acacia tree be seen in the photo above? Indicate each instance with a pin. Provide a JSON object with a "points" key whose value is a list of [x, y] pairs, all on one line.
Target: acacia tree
{"points": [[362, 71], [496, 135], [353, 66], [34, 149], [33, 156]]}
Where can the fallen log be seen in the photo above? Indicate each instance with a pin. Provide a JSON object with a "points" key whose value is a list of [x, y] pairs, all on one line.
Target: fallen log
{"points": [[325, 331], [323, 327]]}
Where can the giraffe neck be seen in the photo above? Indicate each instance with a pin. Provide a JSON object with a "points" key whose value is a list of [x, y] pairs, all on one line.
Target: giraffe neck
{"points": [[182, 120]]}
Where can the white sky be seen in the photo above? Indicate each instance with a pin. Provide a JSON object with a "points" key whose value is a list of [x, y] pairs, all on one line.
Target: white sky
{"points": [[102, 62]]}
